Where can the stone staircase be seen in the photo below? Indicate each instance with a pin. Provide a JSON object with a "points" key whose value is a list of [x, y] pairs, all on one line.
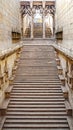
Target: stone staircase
{"points": [[36, 100], [38, 31], [48, 33], [27, 33]]}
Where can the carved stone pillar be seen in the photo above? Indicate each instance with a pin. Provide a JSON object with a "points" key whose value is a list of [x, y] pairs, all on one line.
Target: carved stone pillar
{"points": [[53, 25], [31, 5], [21, 25], [43, 19], [31, 26]]}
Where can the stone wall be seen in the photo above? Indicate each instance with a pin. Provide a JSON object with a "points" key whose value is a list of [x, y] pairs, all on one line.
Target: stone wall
{"points": [[64, 21], [9, 21]]}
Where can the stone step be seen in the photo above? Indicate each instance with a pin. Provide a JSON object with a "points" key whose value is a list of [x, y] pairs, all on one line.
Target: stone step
{"points": [[48, 66], [37, 117], [23, 87], [22, 121], [35, 88], [27, 69], [47, 76], [36, 103], [36, 109], [38, 83], [35, 64], [42, 74], [38, 58], [36, 100], [32, 96], [38, 91], [23, 80], [35, 94], [36, 113], [35, 49], [36, 126], [36, 106], [37, 77]]}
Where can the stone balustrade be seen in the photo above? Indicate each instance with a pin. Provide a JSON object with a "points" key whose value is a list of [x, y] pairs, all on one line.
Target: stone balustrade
{"points": [[8, 65], [65, 51], [68, 57]]}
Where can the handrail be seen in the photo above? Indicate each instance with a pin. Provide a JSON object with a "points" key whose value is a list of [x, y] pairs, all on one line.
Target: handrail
{"points": [[67, 52], [8, 51]]}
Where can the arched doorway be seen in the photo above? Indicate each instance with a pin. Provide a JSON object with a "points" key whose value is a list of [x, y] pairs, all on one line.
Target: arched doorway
{"points": [[38, 20], [48, 26]]}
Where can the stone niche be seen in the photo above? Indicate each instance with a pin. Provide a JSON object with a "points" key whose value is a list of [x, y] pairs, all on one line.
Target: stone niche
{"points": [[59, 36], [16, 37]]}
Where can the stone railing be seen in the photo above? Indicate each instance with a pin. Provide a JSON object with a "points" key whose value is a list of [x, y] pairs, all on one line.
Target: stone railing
{"points": [[8, 65], [67, 52]]}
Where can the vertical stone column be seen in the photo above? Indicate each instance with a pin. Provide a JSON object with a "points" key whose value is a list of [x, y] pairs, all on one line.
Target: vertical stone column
{"points": [[21, 25], [43, 19], [54, 26], [31, 5]]}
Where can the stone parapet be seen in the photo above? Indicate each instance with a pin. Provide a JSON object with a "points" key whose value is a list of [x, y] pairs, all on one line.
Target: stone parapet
{"points": [[8, 65], [10, 51], [67, 52]]}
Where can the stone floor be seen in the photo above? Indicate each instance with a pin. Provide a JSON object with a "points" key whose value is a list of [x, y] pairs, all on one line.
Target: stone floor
{"points": [[38, 41]]}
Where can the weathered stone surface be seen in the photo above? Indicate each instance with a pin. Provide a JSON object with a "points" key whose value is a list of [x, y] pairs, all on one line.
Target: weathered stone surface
{"points": [[9, 21]]}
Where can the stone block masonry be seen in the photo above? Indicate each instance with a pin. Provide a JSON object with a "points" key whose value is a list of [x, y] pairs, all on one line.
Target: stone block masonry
{"points": [[9, 21], [64, 21]]}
